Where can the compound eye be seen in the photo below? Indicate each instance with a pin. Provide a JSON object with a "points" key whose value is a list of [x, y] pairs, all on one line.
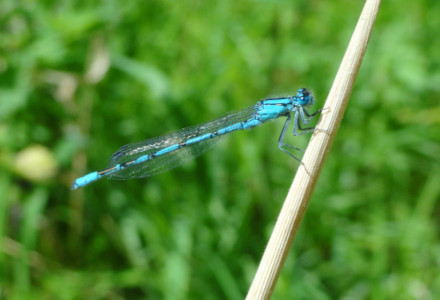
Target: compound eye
{"points": [[302, 93]]}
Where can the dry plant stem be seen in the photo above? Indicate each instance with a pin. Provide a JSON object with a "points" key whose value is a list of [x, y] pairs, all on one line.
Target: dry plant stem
{"points": [[301, 189]]}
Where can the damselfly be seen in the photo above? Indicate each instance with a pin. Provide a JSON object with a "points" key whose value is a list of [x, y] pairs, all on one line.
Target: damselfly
{"points": [[166, 152]]}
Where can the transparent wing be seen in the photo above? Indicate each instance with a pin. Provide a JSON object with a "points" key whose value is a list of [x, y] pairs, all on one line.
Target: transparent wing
{"points": [[174, 158]]}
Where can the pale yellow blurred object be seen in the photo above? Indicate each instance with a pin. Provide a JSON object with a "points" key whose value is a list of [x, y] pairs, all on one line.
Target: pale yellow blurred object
{"points": [[35, 163], [99, 62]]}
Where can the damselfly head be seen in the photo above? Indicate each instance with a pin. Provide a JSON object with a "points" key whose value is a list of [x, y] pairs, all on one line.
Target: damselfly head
{"points": [[305, 97]]}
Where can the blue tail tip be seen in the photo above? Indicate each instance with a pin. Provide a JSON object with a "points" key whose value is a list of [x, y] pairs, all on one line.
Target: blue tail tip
{"points": [[85, 180]]}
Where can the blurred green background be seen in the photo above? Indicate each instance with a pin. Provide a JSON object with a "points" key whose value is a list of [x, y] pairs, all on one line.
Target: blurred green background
{"points": [[79, 79]]}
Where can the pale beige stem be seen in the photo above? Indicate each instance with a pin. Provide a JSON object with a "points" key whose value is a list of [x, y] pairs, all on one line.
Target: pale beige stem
{"points": [[302, 187]]}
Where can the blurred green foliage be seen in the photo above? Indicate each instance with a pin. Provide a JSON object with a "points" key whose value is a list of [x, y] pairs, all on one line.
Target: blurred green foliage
{"points": [[78, 79]]}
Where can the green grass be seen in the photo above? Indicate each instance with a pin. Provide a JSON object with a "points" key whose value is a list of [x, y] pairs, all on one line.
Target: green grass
{"points": [[198, 231]]}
